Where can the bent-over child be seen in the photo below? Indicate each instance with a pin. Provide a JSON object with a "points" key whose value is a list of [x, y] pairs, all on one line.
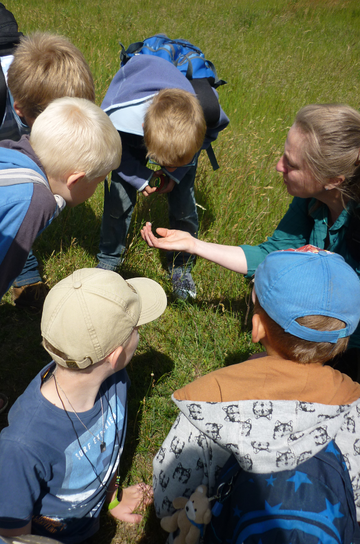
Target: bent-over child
{"points": [[43, 67], [155, 109], [72, 147]]}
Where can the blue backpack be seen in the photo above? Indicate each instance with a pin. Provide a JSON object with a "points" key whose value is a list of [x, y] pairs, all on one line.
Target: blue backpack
{"points": [[188, 58], [311, 504], [191, 62]]}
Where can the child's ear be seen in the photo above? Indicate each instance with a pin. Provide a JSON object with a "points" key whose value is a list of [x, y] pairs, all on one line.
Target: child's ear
{"points": [[114, 356], [258, 329], [74, 178], [18, 109], [29, 121]]}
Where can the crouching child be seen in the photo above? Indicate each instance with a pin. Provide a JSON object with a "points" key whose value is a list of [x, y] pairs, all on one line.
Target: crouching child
{"points": [[60, 453], [275, 412]]}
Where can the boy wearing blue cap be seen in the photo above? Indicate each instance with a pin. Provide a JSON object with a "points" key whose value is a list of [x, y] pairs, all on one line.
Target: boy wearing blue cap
{"points": [[273, 412]]}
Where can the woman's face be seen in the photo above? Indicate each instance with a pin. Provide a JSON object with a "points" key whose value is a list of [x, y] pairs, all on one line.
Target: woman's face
{"points": [[297, 177]]}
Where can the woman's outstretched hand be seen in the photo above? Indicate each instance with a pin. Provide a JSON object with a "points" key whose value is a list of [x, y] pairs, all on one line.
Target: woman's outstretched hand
{"points": [[174, 240], [231, 257]]}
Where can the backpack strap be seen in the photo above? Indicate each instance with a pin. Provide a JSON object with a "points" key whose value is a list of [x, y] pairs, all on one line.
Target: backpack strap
{"points": [[213, 81], [126, 54], [212, 158], [207, 99], [23, 175], [26, 175]]}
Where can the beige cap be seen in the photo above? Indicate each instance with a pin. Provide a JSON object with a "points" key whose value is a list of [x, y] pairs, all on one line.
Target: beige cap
{"points": [[92, 312]]}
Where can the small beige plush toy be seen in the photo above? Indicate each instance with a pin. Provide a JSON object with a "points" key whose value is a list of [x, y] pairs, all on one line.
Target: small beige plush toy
{"points": [[191, 517]]}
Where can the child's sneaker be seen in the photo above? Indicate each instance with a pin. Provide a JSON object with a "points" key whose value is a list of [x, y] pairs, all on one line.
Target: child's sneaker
{"points": [[183, 283]]}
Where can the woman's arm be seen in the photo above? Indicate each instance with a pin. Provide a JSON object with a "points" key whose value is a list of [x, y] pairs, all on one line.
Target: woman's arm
{"points": [[231, 257]]}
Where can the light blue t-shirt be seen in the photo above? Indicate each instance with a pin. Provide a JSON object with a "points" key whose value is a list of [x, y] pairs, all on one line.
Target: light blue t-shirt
{"points": [[53, 471]]}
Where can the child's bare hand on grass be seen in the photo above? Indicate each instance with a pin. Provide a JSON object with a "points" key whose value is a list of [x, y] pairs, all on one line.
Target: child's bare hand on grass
{"points": [[137, 496]]}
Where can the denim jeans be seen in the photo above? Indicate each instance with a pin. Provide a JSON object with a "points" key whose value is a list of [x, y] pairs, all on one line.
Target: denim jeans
{"points": [[119, 202], [30, 273], [183, 216]]}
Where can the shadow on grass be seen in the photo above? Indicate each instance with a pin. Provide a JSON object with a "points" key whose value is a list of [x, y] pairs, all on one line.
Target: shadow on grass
{"points": [[155, 210], [80, 223], [113, 532], [127, 272], [238, 357], [22, 355], [153, 532], [238, 307], [141, 370]]}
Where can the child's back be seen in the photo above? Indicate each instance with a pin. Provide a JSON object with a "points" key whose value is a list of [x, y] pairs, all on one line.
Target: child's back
{"points": [[155, 109], [272, 413]]}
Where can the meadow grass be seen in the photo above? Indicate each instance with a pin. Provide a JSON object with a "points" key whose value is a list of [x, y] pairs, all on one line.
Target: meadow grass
{"points": [[276, 55]]}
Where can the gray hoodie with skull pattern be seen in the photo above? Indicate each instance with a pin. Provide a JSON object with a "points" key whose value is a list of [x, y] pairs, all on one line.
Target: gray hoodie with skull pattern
{"points": [[264, 435]]}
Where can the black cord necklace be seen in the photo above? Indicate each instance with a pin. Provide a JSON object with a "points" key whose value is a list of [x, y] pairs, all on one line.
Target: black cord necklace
{"points": [[76, 434], [102, 442], [57, 386]]}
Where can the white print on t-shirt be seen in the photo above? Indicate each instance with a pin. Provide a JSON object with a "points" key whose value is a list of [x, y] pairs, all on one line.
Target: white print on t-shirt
{"points": [[97, 438], [85, 464]]}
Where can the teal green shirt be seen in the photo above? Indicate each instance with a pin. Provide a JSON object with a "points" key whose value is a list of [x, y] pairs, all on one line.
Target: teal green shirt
{"points": [[299, 227]]}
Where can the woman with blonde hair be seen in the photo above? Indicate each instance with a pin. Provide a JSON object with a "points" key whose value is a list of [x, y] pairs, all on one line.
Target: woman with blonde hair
{"points": [[321, 169]]}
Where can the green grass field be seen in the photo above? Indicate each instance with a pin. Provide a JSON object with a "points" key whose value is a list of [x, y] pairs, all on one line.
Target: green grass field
{"points": [[276, 55]]}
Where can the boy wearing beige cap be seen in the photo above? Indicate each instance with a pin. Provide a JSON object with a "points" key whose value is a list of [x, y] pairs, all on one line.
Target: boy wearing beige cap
{"points": [[60, 453]]}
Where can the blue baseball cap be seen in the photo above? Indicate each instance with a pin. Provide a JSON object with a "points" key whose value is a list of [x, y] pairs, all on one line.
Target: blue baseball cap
{"points": [[295, 283]]}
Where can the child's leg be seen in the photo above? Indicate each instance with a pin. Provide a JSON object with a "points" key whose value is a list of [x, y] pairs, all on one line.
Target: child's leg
{"points": [[119, 202], [28, 289], [183, 216], [30, 272]]}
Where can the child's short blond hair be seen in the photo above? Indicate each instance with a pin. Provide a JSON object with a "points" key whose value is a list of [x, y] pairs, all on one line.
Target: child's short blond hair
{"points": [[45, 67], [174, 127], [74, 135], [296, 349]]}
